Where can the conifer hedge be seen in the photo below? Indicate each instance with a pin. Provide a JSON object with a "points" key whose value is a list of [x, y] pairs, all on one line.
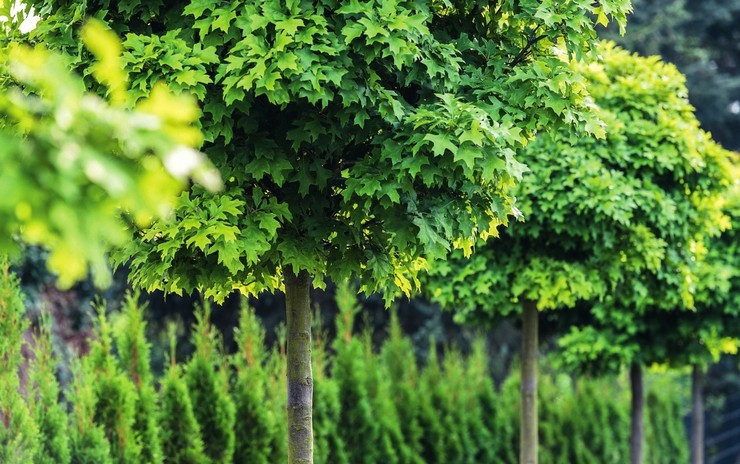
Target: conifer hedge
{"points": [[373, 405]]}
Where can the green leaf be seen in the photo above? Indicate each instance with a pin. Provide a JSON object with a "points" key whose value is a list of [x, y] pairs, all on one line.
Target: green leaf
{"points": [[441, 143]]}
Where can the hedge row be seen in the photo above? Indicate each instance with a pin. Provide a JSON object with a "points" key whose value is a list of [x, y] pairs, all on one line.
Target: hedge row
{"points": [[369, 406]]}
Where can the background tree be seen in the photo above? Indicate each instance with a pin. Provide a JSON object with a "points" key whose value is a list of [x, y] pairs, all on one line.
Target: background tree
{"points": [[700, 38], [254, 424], [692, 338], [43, 399], [208, 388], [180, 432], [19, 436], [612, 221], [360, 138], [133, 350]]}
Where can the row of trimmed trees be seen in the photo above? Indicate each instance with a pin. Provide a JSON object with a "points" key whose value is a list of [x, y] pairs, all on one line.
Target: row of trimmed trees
{"points": [[632, 232], [372, 406]]}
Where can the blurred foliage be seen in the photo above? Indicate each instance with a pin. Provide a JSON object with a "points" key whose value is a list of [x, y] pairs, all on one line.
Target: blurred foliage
{"points": [[76, 167]]}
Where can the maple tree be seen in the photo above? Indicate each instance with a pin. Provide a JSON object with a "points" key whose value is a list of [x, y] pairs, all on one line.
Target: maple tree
{"points": [[614, 224], [355, 138], [691, 336]]}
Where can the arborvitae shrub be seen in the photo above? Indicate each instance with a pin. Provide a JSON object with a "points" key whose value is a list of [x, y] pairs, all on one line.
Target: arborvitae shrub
{"points": [[357, 425], [480, 403], [328, 445], [18, 433], [433, 413], [459, 408], [391, 446], [255, 421], [277, 379], [134, 352], [506, 424], [88, 444], [400, 367], [115, 395], [665, 439], [43, 400], [178, 429], [208, 388]]}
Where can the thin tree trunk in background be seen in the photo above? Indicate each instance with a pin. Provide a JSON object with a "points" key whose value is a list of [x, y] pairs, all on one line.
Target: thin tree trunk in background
{"points": [[528, 437], [697, 415], [637, 430], [300, 377]]}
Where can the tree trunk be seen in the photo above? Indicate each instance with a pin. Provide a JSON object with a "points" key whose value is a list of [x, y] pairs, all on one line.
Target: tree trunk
{"points": [[697, 415], [528, 437], [300, 378], [638, 407]]}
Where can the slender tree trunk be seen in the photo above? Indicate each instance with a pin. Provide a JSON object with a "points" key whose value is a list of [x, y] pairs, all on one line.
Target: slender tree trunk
{"points": [[528, 437], [300, 377], [638, 407], [697, 415]]}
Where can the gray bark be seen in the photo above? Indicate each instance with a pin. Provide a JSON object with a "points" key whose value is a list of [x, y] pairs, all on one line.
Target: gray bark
{"points": [[300, 377]]}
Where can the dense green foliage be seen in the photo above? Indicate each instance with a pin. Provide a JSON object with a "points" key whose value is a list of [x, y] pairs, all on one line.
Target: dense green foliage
{"points": [[619, 220], [583, 421], [208, 388], [18, 432], [398, 120]]}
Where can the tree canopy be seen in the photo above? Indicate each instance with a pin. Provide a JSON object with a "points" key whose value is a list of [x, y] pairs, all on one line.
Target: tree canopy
{"points": [[618, 221], [360, 137]]}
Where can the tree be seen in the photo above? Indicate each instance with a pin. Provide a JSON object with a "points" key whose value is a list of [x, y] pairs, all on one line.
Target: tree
{"points": [[698, 37], [254, 423], [179, 430], [115, 395], [693, 337], [208, 388], [360, 139], [72, 161], [609, 222], [43, 400], [134, 352], [19, 436]]}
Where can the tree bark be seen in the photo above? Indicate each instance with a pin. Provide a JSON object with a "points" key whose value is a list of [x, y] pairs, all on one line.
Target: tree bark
{"points": [[638, 406], [300, 377], [528, 443], [697, 415]]}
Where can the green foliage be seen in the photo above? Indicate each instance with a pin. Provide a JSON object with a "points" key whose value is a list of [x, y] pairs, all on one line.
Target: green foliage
{"points": [[254, 426], [357, 426], [399, 362], [328, 444], [666, 440], [358, 138], [697, 36], [19, 435], [43, 400], [479, 407], [392, 447], [88, 442], [134, 353], [208, 388], [179, 430], [277, 386], [115, 395], [434, 414], [72, 161]]}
